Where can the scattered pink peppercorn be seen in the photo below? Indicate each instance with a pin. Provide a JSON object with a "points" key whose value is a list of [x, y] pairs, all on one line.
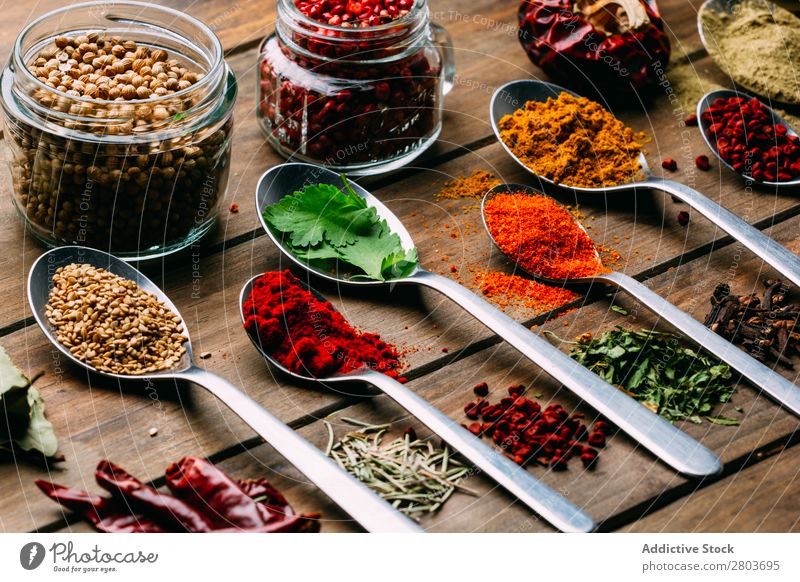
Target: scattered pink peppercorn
{"points": [[669, 164], [691, 119], [481, 389], [702, 162], [683, 218]]}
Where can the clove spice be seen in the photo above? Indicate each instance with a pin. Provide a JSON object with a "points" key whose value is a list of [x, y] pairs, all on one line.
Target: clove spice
{"points": [[766, 326]]}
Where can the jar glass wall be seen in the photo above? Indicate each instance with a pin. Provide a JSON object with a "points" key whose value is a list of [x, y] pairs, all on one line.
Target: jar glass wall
{"points": [[359, 100], [138, 174]]}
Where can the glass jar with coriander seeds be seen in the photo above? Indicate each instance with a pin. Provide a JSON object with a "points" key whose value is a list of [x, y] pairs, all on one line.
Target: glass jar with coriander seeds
{"points": [[119, 127]]}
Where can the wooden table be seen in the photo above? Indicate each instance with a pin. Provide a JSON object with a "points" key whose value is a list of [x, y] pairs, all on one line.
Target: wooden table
{"points": [[448, 351]]}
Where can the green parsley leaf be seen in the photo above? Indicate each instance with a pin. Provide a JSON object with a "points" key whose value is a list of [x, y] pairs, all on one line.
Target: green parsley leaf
{"points": [[331, 229], [620, 310]]}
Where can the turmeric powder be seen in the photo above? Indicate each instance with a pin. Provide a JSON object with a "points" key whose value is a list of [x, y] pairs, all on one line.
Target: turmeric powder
{"points": [[573, 141]]}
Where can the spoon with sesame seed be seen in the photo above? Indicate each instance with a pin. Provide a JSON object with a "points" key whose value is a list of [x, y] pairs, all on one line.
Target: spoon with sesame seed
{"points": [[355, 498]]}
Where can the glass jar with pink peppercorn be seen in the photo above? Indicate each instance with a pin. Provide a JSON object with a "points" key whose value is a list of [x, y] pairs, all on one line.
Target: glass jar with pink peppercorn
{"points": [[354, 85]]}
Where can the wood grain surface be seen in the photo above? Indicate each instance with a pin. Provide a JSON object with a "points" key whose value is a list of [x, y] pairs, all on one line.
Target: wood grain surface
{"points": [[447, 350]]}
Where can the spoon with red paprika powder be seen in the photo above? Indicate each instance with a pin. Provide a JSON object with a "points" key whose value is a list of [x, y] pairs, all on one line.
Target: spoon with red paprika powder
{"points": [[668, 443], [301, 334], [361, 503], [511, 96], [546, 240]]}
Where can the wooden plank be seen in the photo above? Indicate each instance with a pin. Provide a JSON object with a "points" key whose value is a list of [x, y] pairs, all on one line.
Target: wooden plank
{"points": [[762, 498], [631, 479]]}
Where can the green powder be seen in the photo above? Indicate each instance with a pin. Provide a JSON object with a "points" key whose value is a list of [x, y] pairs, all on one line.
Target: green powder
{"points": [[758, 46]]}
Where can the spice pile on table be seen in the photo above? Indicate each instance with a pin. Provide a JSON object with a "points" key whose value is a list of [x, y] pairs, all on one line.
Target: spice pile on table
{"points": [[574, 141], [542, 236], [473, 186], [758, 44], [202, 499], [525, 432], [506, 290], [658, 370], [766, 327], [413, 475], [747, 138], [307, 335], [111, 323]]}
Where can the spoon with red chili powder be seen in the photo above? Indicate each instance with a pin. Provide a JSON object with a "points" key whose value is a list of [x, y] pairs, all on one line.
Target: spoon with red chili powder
{"points": [[546, 240], [361, 503], [511, 96], [664, 440], [301, 334]]}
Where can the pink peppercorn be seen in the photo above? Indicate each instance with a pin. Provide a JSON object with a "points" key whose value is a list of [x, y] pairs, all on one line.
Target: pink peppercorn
{"points": [[702, 162], [669, 164]]}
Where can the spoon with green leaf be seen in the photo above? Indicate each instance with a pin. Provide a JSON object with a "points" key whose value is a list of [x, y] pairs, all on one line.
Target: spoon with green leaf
{"points": [[320, 232]]}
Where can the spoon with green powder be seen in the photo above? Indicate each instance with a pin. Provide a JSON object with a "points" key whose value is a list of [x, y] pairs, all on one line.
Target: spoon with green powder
{"points": [[756, 43]]}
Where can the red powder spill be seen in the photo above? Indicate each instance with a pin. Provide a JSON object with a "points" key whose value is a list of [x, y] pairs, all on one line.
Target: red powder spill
{"points": [[308, 336], [505, 290]]}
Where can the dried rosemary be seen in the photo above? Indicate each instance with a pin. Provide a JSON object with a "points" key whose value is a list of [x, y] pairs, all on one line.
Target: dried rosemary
{"points": [[413, 475]]}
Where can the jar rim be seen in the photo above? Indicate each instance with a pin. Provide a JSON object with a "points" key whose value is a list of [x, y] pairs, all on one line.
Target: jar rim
{"points": [[406, 19], [217, 63]]}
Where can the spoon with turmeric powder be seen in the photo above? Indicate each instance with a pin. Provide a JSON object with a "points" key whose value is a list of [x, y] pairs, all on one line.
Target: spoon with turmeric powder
{"points": [[545, 239], [578, 145]]}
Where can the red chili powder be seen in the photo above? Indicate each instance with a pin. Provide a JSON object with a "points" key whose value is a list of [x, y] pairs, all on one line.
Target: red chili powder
{"points": [[308, 336], [505, 290], [542, 236]]}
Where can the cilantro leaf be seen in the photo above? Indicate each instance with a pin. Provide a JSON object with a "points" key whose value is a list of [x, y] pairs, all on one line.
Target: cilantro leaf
{"points": [[324, 226]]}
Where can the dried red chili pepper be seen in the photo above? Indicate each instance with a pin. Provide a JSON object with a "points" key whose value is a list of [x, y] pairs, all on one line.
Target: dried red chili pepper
{"points": [[204, 499], [619, 44]]}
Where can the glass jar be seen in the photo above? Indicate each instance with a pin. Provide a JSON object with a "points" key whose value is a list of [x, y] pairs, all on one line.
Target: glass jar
{"points": [[358, 100], [140, 178]]}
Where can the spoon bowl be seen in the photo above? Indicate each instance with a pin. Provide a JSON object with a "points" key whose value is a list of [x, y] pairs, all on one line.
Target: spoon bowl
{"points": [[516, 93], [284, 179], [372, 512], [657, 435], [759, 375], [548, 503], [706, 102]]}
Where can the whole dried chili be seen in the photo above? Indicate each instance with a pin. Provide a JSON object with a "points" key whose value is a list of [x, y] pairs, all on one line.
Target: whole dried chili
{"points": [[615, 44], [541, 235], [750, 141], [204, 499], [574, 141], [525, 432], [307, 335]]}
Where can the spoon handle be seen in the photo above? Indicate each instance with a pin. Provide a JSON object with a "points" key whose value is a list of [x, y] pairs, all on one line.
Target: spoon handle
{"points": [[751, 369], [360, 502], [779, 257], [673, 446], [552, 506]]}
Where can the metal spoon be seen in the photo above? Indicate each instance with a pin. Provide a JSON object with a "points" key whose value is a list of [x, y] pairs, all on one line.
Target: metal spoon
{"points": [[659, 436], [361, 503], [728, 7], [751, 369], [512, 96], [706, 101], [545, 501]]}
